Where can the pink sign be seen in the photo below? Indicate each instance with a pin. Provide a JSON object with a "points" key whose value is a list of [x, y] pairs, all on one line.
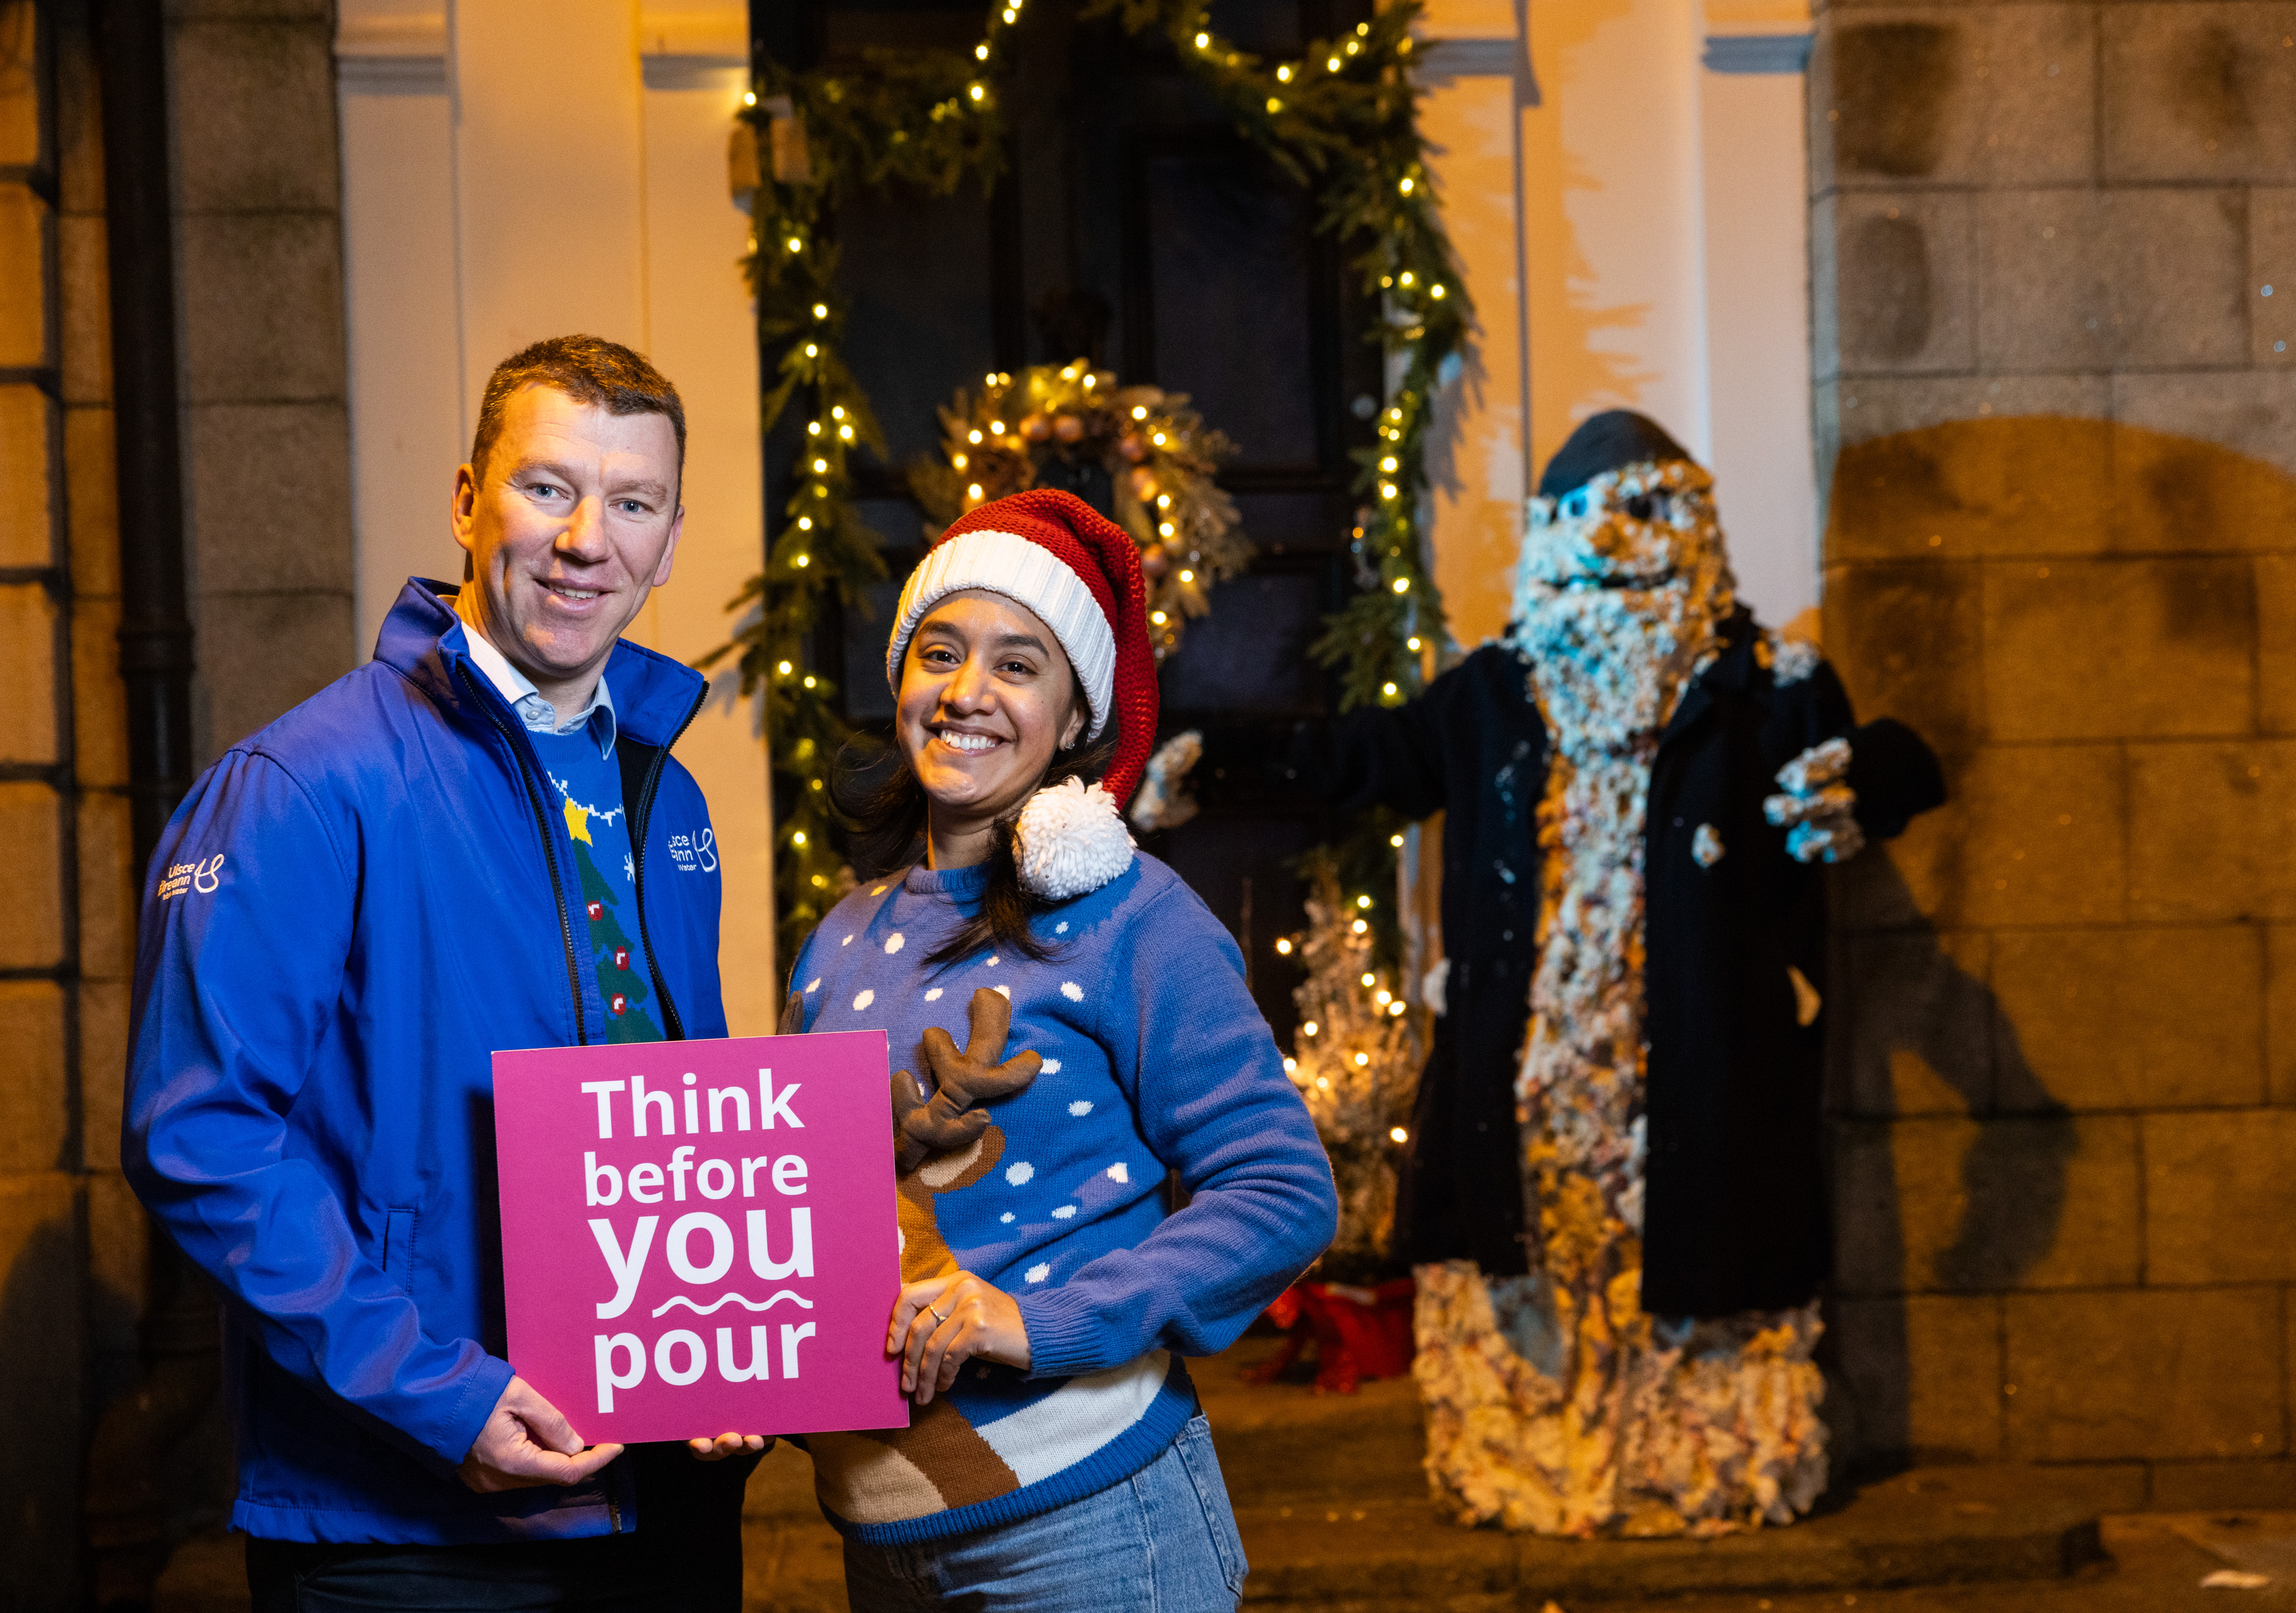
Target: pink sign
{"points": [[698, 1237]]}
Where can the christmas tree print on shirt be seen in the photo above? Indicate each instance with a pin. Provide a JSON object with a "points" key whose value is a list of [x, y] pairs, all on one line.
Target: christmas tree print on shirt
{"points": [[619, 963]]}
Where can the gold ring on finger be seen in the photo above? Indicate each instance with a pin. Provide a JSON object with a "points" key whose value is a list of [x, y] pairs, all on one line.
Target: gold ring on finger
{"points": [[937, 1316]]}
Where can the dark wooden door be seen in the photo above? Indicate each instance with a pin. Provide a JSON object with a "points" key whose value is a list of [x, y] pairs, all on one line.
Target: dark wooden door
{"points": [[1134, 227]]}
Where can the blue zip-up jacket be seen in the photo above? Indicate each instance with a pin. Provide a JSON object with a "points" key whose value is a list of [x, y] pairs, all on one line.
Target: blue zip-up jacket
{"points": [[349, 915]]}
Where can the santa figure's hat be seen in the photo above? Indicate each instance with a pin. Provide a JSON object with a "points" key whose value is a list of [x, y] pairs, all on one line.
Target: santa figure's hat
{"points": [[1079, 572]]}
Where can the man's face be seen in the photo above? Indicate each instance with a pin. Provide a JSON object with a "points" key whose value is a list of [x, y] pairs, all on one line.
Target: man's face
{"points": [[574, 525]]}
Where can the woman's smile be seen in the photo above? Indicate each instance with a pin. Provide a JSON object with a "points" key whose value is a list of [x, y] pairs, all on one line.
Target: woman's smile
{"points": [[966, 742]]}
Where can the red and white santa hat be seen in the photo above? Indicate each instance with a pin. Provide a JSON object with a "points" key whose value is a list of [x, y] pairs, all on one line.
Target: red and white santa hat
{"points": [[1079, 572]]}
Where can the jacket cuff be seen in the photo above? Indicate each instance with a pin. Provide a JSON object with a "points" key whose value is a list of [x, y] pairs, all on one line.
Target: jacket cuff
{"points": [[459, 1431]]}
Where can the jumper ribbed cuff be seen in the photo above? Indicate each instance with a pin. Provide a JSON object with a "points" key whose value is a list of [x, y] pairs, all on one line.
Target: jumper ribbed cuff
{"points": [[1067, 1337]]}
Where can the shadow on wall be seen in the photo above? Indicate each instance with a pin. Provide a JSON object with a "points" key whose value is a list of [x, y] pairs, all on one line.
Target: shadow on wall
{"points": [[40, 1394], [1917, 1018], [2095, 625]]}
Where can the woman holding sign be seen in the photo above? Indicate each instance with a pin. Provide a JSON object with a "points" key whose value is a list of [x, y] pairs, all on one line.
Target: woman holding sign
{"points": [[1107, 1037]]}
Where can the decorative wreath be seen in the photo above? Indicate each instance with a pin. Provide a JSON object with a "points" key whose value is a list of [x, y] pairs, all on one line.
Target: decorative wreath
{"points": [[1056, 422]]}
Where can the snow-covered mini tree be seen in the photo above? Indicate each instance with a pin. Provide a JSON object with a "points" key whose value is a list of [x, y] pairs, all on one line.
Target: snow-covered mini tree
{"points": [[1356, 1061]]}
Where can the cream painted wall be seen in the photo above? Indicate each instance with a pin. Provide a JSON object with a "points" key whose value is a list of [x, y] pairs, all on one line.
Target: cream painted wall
{"points": [[1629, 224], [1615, 228], [487, 204], [1482, 441], [1764, 460]]}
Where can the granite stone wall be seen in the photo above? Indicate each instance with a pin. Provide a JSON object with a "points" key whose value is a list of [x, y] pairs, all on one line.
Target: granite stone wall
{"points": [[265, 452], [2055, 264]]}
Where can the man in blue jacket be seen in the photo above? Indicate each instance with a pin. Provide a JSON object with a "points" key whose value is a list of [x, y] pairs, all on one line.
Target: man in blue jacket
{"points": [[478, 840]]}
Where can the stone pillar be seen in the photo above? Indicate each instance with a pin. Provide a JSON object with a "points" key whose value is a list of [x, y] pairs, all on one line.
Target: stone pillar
{"points": [[266, 442], [70, 1248], [2057, 408], [265, 462]]}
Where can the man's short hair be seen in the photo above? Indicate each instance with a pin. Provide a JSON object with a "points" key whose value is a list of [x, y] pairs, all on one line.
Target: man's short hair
{"points": [[589, 369]]}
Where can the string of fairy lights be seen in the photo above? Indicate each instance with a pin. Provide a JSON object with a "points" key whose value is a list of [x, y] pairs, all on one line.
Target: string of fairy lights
{"points": [[1340, 120]]}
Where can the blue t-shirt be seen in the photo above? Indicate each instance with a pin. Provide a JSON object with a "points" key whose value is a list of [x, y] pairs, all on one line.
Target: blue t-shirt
{"points": [[589, 788]]}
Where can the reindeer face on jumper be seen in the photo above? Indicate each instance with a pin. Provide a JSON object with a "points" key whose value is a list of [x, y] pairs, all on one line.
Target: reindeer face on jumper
{"points": [[943, 1143]]}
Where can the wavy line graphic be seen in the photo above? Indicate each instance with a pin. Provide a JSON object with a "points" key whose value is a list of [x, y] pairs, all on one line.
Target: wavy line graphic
{"points": [[727, 1299]]}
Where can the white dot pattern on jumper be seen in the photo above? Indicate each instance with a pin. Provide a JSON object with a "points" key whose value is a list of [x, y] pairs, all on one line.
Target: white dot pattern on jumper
{"points": [[1006, 1218], [991, 963], [1062, 927], [1051, 1067], [863, 999], [1065, 1212], [1004, 992], [1080, 1108], [848, 941], [1073, 992], [814, 985], [1020, 1175], [1117, 1173], [933, 996], [1038, 1271], [894, 942]]}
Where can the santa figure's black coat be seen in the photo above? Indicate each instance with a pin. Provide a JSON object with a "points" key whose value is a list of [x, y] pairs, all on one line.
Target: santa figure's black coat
{"points": [[1735, 1214]]}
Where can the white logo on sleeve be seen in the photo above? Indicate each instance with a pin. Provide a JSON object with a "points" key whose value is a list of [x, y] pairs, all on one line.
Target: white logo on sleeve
{"points": [[201, 877], [695, 853]]}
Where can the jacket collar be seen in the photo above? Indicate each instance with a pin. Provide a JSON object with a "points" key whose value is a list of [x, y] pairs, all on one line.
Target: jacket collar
{"points": [[652, 693], [1732, 669]]}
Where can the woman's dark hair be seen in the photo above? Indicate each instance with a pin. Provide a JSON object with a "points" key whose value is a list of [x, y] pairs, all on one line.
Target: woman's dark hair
{"points": [[878, 794]]}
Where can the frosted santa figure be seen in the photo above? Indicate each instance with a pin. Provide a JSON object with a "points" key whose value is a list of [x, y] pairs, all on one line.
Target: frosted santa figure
{"points": [[1613, 1198]]}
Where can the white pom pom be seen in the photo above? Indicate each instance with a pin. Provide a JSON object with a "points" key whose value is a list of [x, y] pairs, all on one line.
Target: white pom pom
{"points": [[1070, 839]]}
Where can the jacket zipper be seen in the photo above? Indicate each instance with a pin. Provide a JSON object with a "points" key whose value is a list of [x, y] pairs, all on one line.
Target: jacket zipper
{"points": [[549, 854], [642, 823]]}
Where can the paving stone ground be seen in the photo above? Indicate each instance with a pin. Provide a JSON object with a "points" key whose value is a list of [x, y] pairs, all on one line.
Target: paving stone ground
{"points": [[1334, 1513]]}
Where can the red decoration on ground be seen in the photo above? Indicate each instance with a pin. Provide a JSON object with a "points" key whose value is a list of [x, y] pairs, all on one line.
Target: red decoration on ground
{"points": [[1360, 1333]]}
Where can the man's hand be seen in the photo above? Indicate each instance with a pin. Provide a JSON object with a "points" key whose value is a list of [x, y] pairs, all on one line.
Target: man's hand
{"points": [[941, 1324], [727, 1444], [526, 1443]]}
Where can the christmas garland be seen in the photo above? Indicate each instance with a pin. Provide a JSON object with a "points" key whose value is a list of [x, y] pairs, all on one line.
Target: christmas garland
{"points": [[1341, 120], [1155, 450]]}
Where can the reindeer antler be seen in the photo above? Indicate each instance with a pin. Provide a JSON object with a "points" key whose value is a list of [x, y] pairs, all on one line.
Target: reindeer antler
{"points": [[950, 1119]]}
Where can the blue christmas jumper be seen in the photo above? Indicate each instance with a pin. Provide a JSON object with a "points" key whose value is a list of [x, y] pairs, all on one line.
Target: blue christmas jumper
{"points": [[1155, 1058]]}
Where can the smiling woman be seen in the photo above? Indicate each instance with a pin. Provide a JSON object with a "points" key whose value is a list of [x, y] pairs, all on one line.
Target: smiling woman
{"points": [[1046, 1297]]}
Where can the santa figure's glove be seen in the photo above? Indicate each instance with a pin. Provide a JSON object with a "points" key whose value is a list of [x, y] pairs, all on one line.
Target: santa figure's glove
{"points": [[1162, 801], [951, 1118], [1820, 808]]}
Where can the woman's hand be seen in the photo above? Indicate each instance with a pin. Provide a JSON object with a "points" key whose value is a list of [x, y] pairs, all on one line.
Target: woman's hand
{"points": [[941, 1324], [727, 1444]]}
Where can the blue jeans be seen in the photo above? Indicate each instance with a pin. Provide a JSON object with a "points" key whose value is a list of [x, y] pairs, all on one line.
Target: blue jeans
{"points": [[1163, 1541]]}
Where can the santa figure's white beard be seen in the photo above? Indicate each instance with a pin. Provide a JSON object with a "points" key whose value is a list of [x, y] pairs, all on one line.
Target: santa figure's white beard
{"points": [[1607, 665]]}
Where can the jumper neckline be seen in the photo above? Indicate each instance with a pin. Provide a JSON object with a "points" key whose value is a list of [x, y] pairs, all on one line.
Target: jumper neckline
{"points": [[922, 881]]}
